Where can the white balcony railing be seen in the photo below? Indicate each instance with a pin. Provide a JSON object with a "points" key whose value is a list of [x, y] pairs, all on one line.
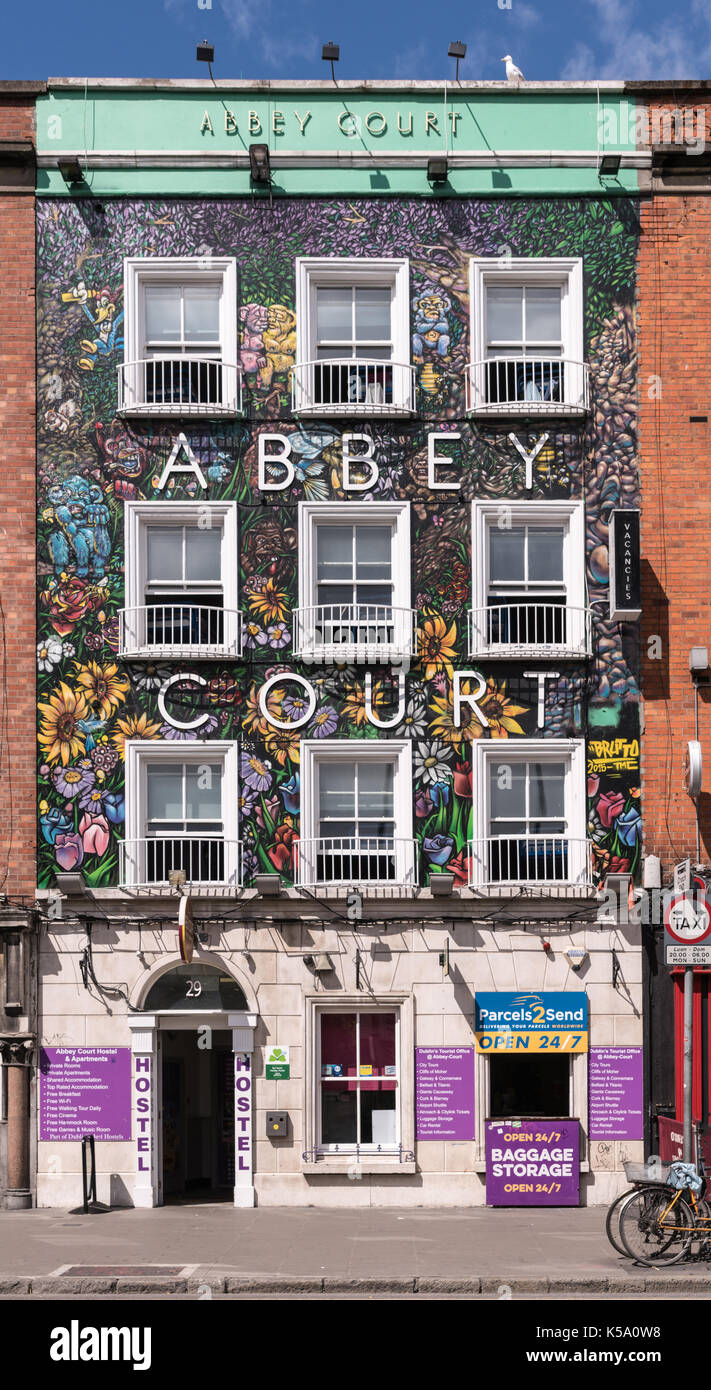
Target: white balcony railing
{"points": [[530, 629], [180, 629], [368, 860], [360, 632], [530, 860], [353, 386], [522, 385], [207, 861], [179, 386]]}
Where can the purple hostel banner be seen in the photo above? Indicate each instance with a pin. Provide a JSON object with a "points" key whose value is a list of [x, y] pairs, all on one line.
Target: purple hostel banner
{"points": [[85, 1090], [532, 1163], [615, 1093], [444, 1079]]}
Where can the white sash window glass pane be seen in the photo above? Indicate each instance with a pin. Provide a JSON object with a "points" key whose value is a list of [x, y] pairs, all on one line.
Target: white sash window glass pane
{"points": [[203, 792], [165, 793], [543, 314], [334, 553], [162, 303], [507, 554], [203, 553], [373, 552], [547, 790], [336, 791], [202, 313], [372, 309], [375, 790], [545, 554], [165, 553], [507, 792], [504, 305], [334, 314]]}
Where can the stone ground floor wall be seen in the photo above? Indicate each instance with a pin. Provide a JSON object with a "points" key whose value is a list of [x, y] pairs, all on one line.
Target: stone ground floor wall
{"points": [[396, 968]]}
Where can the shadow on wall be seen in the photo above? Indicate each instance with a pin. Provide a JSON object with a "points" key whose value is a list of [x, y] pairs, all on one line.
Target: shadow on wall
{"points": [[654, 636]]}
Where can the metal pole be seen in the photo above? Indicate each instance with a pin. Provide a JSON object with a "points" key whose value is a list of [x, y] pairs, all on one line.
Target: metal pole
{"points": [[688, 1055]]}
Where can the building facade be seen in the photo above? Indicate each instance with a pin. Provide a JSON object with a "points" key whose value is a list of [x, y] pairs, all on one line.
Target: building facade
{"points": [[18, 920], [338, 722]]}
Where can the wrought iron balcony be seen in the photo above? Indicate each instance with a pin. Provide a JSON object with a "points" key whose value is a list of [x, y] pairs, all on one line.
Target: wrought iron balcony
{"points": [[505, 861], [206, 861], [530, 629], [360, 632], [180, 629], [352, 386], [369, 860], [179, 385], [522, 385]]}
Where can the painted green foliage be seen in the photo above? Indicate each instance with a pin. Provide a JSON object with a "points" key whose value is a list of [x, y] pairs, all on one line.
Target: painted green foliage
{"points": [[91, 461]]}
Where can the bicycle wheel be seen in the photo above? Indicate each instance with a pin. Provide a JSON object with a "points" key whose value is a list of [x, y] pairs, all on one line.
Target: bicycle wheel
{"points": [[654, 1231], [612, 1220]]}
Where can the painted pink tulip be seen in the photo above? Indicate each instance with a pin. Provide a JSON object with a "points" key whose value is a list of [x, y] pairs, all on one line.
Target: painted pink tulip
{"points": [[609, 807], [94, 831], [593, 784], [69, 851]]}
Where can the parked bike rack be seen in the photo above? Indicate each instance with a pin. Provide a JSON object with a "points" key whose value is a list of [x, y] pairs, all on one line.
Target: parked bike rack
{"points": [[87, 1143]]}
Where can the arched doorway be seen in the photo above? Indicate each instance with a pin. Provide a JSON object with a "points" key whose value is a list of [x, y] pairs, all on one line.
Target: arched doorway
{"points": [[192, 1045]]}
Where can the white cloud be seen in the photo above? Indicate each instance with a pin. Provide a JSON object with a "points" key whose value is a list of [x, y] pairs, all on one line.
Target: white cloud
{"points": [[627, 48]]}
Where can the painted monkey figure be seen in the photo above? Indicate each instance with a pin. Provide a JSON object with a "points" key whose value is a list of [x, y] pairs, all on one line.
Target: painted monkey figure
{"points": [[432, 331], [254, 319], [279, 343], [80, 533]]}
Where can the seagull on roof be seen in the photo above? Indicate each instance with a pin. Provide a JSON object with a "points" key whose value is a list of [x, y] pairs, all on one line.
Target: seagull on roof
{"points": [[513, 74]]}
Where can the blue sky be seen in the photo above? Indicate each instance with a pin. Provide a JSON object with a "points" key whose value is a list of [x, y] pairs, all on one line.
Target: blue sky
{"points": [[549, 39]]}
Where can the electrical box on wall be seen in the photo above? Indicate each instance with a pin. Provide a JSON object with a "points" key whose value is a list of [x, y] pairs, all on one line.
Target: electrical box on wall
{"points": [[277, 1124]]}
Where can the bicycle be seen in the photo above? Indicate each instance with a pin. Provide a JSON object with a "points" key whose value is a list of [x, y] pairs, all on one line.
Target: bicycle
{"points": [[658, 1221]]}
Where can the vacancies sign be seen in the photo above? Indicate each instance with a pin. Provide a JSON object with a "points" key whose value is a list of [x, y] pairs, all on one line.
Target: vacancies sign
{"points": [[526, 1022]]}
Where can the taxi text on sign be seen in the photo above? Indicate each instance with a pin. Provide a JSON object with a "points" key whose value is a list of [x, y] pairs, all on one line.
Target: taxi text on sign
{"points": [[528, 1022]]}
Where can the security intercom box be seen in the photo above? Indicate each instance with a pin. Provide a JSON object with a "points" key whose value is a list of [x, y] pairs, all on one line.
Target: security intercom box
{"points": [[277, 1124]]}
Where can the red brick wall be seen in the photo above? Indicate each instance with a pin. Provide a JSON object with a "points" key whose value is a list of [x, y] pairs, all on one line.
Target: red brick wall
{"points": [[674, 308], [17, 520]]}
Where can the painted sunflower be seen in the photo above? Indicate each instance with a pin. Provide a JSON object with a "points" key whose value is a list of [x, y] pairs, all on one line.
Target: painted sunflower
{"points": [[133, 726], [103, 686], [500, 711], [353, 707], [60, 737], [435, 645], [283, 744], [443, 725], [253, 720], [270, 602]]}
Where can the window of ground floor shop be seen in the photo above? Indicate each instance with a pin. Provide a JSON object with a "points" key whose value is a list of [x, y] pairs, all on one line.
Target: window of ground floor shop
{"points": [[358, 1080], [534, 1086]]}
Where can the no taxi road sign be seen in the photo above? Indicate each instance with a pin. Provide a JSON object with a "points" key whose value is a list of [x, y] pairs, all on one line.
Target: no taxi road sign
{"points": [[687, 927]]}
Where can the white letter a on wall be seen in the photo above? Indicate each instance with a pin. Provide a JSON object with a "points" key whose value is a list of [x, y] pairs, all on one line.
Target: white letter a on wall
{"points": [[172, 466]]}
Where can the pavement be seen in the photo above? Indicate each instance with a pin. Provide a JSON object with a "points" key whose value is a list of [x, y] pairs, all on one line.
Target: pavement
{"points": [[214, 1249]]}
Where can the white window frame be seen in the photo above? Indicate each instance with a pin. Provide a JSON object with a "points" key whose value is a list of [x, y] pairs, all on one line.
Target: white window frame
{"points": [[138, 516], [141, 271], [563, 271], [523, 750], [321, 1160], [141, 752], [399, 752], [393, 514], [362, 1008], [314, 272], [485, 514]]}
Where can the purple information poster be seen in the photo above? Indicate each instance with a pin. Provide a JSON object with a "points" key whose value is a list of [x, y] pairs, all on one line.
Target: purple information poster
{"points": [[445, 1092], [85, 1090], [534, 1163], [615, 1093]]}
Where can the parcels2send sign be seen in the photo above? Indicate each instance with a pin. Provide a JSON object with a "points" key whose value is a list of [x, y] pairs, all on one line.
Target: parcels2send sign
{"points": [[531, 1022]]}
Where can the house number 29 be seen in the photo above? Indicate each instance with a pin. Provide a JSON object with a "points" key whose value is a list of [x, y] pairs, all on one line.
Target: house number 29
{"points": [[194, 988]]}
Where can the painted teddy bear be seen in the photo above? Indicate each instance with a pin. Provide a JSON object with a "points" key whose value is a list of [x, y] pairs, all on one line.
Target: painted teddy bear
{"points": [[279, 343], [81, 528], [254, 319]]}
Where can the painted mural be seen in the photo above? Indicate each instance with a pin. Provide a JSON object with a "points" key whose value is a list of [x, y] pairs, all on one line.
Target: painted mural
{"points": [[91, 461]]}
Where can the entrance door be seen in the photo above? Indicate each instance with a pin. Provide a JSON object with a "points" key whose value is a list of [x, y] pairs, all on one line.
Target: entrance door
{"points": [[197, 1115]]}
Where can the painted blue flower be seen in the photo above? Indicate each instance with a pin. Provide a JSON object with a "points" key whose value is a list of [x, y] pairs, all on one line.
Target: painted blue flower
{"points": [[54, 823], [629, 826], [439, 848], [114, 807], [290, 792], [440, 793]]}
